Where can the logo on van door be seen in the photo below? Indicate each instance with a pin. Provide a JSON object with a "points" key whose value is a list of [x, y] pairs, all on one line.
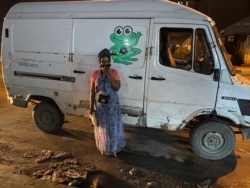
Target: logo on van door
{"points": [[125, 40]]}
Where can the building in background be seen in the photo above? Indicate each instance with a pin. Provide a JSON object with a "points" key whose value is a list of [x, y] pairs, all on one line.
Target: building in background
{"points": [[237, 41]]}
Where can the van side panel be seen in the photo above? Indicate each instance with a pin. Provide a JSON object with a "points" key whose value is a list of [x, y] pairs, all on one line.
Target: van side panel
{"points": [[55, 57], [39, 59], [127, 40]]}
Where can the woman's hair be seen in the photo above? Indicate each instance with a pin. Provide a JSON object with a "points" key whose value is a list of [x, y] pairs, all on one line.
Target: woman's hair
{"points": [[104, 53]]}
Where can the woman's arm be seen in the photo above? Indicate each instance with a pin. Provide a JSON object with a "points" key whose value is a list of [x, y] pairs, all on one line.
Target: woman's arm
{"points": [[92, 96], [115, 84]]}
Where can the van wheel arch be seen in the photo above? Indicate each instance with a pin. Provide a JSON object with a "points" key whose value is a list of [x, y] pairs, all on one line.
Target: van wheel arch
{"points": [[47, 116], [212, 139], [36, 99]]}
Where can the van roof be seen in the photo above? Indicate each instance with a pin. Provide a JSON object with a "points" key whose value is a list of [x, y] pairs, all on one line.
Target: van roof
{"points": [[105, 9]]}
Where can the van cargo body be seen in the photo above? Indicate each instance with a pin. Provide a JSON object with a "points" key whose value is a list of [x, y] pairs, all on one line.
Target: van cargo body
{"points": [[174, 69]]}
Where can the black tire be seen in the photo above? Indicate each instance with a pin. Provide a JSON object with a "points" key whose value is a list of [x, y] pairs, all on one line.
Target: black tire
{"points": [[212, 140], [48, 117]]}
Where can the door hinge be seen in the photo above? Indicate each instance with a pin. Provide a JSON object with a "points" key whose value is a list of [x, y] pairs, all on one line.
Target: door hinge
{"points": [[71, 57], [149, 52]]}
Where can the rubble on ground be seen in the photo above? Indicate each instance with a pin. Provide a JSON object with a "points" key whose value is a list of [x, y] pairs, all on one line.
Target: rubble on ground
{"points": [[59, 167]]}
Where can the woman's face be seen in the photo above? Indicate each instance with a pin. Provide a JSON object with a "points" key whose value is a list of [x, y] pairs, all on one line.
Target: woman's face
{"points": [[104, 62]]}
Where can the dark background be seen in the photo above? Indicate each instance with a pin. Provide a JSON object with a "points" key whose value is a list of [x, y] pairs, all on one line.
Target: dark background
{"points": [[223, 12]]}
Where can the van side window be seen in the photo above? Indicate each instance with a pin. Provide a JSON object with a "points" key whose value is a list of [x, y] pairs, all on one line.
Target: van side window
{"points": [[176, 48], [203, 59]]}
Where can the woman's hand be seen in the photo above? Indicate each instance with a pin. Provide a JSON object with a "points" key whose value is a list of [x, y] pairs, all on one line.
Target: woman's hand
{"points": [[106, 71], [115, 84]]}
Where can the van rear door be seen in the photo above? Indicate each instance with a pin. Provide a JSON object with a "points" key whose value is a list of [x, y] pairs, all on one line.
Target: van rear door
{"points": [[39, 54], [127, 39], [181, 77]]}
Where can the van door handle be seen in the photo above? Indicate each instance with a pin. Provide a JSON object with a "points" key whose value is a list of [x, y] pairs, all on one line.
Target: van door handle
{"points": [[158, 78], [79, 72], [136, 77]]}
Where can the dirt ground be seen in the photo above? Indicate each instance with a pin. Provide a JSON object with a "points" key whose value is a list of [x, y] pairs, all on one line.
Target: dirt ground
{"points": [[152, 158]]}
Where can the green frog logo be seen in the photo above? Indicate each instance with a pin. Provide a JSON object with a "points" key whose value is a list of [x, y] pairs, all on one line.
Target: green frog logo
{"points": [[125, 40]]}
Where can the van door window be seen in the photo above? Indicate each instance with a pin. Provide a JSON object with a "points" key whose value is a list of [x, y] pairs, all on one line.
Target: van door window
{"points": [[203, 61], [176, 47], [177, 50]]}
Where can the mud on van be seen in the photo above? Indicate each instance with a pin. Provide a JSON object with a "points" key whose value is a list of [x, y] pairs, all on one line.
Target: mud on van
{"points": [[174, 69]]}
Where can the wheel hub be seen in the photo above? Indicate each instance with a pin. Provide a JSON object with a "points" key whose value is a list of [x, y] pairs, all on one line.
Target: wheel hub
{"points": [[46, 117], [213, 141]]}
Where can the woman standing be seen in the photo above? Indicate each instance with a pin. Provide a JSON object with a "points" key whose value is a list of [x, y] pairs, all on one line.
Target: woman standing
{"points": [[104, 84]]}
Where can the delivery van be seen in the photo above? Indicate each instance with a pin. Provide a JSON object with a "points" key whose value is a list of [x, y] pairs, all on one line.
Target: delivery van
{"points": [[175, 72]]}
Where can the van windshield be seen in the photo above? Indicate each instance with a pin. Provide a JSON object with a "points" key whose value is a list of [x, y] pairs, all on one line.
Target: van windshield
{"points": [[224, 52]]}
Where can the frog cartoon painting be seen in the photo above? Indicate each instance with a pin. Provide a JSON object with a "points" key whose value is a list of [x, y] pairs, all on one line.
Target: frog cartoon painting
{"points": [[125, 40]]}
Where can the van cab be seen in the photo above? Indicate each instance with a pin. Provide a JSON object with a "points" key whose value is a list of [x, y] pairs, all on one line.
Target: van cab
{"points": [[174, 69]]}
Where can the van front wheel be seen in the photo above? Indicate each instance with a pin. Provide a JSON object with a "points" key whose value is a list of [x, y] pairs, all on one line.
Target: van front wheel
{"points": [[48, 117], [212, 140]]}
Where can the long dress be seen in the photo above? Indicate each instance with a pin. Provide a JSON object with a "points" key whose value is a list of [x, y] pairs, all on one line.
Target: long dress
{"points": [[109, 134]]}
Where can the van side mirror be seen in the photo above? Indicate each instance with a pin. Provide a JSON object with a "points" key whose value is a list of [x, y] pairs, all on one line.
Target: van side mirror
{"points": [[216, 74]]}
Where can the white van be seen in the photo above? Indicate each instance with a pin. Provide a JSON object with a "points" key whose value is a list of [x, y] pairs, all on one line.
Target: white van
{"points": [[174, 69]]}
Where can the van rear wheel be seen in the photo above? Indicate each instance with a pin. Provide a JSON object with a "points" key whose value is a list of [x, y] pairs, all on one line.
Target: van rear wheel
{"points": [[212, 140], [48, 117]]}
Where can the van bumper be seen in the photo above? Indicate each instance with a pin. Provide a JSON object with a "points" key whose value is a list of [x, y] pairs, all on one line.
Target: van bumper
{"points": [[18, 101], [245, 133]]}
